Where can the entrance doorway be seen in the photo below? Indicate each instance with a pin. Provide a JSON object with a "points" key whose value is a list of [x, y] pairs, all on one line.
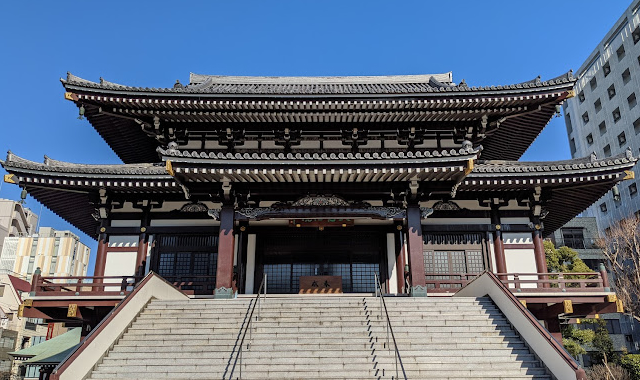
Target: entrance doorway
{"points": [[354, 255]]}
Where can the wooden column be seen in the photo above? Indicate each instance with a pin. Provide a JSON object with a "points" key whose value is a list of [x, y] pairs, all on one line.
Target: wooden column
{"points": [[498, 246], [143, 244], [101, 257], [416, 254], [224, 275], [553, 325], [400, 258], [541, 258]]}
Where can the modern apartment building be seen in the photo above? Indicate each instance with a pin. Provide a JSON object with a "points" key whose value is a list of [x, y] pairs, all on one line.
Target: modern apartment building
{"points": [[604, 117], [56, 253], [15, 220]]}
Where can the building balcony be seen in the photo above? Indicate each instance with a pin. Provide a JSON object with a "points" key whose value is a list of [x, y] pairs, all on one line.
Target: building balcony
{"points": [[577, 243]]}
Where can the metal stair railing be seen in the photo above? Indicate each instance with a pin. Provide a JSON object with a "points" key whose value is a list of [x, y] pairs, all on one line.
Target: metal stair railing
{"points": [[262, 294], [383, 306]]}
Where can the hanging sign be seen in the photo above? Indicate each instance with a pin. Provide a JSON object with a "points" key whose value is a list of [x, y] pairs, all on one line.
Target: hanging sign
{"points": [[320, 223]]}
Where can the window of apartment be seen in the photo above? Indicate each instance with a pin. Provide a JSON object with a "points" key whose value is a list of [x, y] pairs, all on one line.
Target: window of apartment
{"points": [[611, 91], [636, 125], [620, 52], [54, 263], [567, 119], [590, 139], [633, 190], [622, 139], [603, 206], [616, 114], [594, 83], [31, 263], [607, 151], [636, 35], [573, 238], [572, 146], [603, 128], [631, 100], [597, 105], [585, 117], [581, 95], [626, 76], [606, 69]]}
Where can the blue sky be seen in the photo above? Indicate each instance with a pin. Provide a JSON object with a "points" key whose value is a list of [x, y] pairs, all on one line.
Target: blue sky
{"points": [[153, 43]]}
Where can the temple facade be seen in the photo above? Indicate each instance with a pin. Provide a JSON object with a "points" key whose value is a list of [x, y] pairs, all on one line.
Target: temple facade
{"points": [[331, 180]]}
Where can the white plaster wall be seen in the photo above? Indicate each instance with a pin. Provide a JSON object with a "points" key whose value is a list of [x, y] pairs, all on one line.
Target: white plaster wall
{"points": [[456, 221], [517, 238], [492, 253], [123, 241], [125, 223], [251, 263], [519, 220], [183, 222], [391, 264], [120, 263], [521, 261]]}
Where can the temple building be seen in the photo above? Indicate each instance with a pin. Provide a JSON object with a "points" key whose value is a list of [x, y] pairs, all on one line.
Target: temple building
{"points": [[412, 178]]}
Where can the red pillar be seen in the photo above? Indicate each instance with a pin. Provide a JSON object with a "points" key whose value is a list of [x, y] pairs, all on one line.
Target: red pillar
{"points": [[101, 257], [541, 258], [142, 254], [416, 252], [400, 259], [498, 247], [224, 275]]}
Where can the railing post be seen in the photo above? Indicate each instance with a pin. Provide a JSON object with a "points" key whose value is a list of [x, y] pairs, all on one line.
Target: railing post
{"points": [[561, 280], [36, 280], [605, 278], [516, 280]]}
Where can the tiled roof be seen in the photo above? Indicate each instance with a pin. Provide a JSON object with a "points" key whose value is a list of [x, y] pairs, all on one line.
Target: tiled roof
{"points": [[51, 165], [574, 165], [322, 157], [356, 85]]}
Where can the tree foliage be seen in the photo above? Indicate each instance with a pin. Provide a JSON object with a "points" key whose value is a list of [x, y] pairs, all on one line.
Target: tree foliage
{"points": [[563, 259], [631, 363], [621, 247], [596, 338], [609, 371]]}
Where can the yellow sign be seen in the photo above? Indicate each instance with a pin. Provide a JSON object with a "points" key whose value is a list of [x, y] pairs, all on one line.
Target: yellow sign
{"points": [[8, 178], [469, 168], [20, 310], [568, 306], [612, 298], [524, 303], [28, 302], [619, 306], [571, 94], [629, 174], [70, 96], [169, 169], [73, 310]]}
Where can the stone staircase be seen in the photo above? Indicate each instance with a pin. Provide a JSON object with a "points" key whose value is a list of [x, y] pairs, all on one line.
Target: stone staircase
{"points": [[459, 338], [321, 337]]}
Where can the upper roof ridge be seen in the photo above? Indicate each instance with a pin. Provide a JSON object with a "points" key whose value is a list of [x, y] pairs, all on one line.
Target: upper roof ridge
{"points": [[369, 79]]}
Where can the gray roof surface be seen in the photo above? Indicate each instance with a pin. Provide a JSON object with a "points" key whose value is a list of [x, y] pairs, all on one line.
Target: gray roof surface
{"points": [[51, 165], [343, 85]]}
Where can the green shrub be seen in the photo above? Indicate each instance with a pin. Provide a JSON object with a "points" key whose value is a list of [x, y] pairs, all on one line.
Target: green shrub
{"points": [[631, 363]]}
